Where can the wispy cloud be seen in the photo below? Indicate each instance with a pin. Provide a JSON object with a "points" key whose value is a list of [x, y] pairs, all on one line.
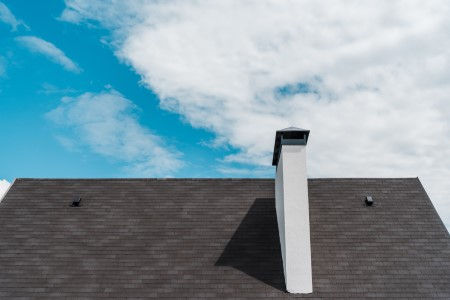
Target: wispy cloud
{"points": [[370, 79], [245, 171], [48, 89], [50, 51], [107, 124], [6, 16], [2, 66], [4, 186]]}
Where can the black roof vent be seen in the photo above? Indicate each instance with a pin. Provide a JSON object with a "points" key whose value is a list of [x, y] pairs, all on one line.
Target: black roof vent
{"points": [[369, 200], [76, 201]]}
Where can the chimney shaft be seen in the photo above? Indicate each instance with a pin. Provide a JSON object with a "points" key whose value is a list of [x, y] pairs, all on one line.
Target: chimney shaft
{"points": [[291, 192]]}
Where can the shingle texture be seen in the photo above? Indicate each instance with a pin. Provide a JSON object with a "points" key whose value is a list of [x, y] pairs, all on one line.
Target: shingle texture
{"points": [[216, 238]]}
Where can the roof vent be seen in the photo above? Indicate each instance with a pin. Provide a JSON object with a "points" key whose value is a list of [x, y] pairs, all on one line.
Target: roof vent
{"points": [[369, 201], [76, 201]]}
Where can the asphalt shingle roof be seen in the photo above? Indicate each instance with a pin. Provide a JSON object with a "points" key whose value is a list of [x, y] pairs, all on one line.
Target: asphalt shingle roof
{"points": [[206, 238]]}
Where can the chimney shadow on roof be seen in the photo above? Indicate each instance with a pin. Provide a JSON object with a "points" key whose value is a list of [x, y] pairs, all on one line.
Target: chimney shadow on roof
{"points": [[255, 246]]}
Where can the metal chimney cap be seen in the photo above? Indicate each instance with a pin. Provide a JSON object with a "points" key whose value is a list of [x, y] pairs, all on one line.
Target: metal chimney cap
{"points": [[288, 136]]}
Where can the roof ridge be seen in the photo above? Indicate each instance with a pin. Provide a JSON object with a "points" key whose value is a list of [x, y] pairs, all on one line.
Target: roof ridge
{"points": [[137, 179], [202, 178]]}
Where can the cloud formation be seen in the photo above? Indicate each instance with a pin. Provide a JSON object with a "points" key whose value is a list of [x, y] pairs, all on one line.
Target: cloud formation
{"points": [[4, 187], [6, 16], [369, 79], [2, 66], [50, 51], [107, 124]]}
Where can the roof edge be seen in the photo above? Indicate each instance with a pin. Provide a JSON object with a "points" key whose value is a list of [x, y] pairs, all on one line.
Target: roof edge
{"points": [[432, 206], [200, 178], [140, 178], [7, 190]]}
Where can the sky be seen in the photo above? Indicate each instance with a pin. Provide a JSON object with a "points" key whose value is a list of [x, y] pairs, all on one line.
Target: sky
{"points": [[197, 88]]}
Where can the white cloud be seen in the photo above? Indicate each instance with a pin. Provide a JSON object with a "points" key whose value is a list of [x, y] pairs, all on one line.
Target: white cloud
{"points": [[2, 66], [107, 124], [4, 187], [49, 89], [50, 51], [371, 80], [245, 172], [6, 16]]}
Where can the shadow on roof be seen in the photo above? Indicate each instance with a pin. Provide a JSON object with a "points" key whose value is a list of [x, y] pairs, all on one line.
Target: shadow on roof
{"points": [[255, 247]]}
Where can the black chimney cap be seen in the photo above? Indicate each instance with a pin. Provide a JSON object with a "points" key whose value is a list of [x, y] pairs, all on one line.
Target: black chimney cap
{"points": [[288, 136]]}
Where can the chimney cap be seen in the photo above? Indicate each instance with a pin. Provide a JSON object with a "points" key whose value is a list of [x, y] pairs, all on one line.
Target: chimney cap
{"points": [[288, 136]]}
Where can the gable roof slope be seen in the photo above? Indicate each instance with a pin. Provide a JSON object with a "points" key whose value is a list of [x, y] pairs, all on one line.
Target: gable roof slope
{"points": [[207, 238]]}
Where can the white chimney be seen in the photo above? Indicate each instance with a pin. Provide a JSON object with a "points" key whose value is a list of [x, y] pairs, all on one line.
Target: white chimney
{"points": [[291, 198]]}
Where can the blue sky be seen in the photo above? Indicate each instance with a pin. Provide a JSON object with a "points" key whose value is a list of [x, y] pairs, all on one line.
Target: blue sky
{"points": [[145, 88], [32, 85]]}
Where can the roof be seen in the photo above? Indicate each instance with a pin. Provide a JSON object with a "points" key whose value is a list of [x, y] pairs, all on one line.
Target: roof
{"points": [[206, 238]]}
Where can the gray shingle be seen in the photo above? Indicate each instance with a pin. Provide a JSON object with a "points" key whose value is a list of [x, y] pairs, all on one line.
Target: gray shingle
{"points": [[208, 238]]}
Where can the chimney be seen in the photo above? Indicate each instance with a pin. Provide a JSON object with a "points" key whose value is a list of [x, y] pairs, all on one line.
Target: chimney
{"points": [[291, 199]]}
